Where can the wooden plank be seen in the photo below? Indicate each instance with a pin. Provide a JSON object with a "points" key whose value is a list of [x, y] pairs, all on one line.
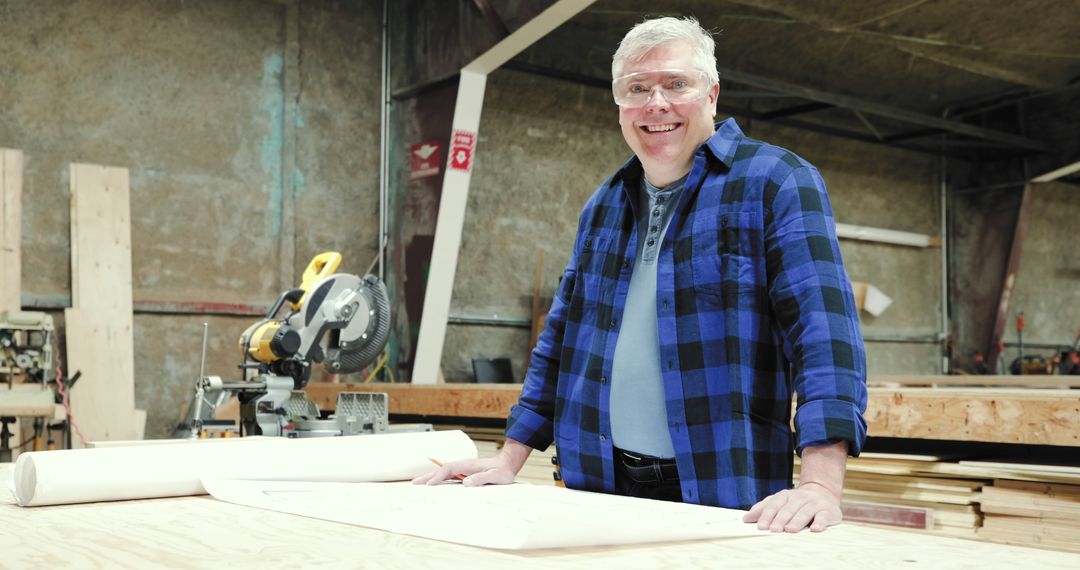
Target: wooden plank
{"points": [[1044, 417], [457, 400], [11, 174], [887, 515], [99, 326], [21, 400], [128, 533], [1049, 417], [1025, 381]]}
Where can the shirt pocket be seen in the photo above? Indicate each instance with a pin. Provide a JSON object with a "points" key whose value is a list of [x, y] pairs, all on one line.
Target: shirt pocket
{"points": [[590, 269], [726, 253]]}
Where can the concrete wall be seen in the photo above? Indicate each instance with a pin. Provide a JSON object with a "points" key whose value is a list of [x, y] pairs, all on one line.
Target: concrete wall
{"points": [[1046, 289], [544, 147], [250, 129]]}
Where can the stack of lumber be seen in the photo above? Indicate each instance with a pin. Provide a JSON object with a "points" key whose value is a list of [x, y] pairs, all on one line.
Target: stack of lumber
{"points": [[1014, 503], [1034, 512], [909, 491]]}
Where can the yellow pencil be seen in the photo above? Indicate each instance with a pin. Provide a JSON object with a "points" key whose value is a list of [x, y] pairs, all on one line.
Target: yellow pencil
{"points": [[459, 477]]}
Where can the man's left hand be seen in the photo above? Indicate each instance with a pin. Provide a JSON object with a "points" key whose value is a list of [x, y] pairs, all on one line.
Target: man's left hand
{"points": [[792, 510]]}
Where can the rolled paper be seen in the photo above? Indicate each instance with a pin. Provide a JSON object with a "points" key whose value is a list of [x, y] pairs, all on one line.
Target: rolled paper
{"points": [[177, 469]]}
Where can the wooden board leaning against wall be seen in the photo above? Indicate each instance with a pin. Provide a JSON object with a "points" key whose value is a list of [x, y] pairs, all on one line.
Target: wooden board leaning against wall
{"points": [[99, 325]]}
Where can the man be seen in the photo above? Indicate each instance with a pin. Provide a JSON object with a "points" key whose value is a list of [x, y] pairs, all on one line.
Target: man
{"points": [[705, 286]]}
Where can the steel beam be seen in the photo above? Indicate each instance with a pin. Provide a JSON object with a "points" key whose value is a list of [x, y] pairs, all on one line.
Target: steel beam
{"points": [[1023, 215], [879, 109], [796, 110]]}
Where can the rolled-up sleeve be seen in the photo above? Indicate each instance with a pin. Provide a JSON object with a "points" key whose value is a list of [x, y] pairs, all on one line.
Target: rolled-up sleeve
{"points": [[815, 309]]}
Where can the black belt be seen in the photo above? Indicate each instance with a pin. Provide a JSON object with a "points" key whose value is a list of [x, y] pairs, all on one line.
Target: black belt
{"points": [[647, 469]]}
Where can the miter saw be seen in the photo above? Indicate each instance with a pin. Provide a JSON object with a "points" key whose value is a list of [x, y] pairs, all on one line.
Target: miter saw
{"points": [[337, 319]]}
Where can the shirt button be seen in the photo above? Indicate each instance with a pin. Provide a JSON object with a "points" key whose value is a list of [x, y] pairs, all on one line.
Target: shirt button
{"points": [[665, 302], [626, 263], [588, 243], [656, 212], [654, 229], [602, 437], [651, 242], [612, 323], [723, 222], [603, 380], [660, 200]]}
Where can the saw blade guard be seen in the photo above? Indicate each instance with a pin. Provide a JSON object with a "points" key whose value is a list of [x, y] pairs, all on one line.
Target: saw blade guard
{"points": [[357, 347]]}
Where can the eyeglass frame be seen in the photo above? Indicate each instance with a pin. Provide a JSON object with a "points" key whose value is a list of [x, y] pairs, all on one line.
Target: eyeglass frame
{"points": [[704, 92]]}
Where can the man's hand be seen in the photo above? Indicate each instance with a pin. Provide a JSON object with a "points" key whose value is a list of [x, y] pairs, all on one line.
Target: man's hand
{"points": [[792, 509], [498, 470], [815, 502], [490, 471]]}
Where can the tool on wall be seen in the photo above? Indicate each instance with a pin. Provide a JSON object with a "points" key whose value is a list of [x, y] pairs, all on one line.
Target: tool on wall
{"points": [[337, 319]]}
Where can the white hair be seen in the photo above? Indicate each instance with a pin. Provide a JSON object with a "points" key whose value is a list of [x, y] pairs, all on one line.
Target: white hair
{"points": [[650, 34]]}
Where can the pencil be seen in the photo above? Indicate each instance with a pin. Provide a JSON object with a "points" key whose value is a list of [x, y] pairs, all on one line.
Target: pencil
{"points": [[438, 463]]}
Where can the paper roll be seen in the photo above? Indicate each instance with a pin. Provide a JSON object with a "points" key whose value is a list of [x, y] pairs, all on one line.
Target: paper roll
{"points": [[173, 470]]}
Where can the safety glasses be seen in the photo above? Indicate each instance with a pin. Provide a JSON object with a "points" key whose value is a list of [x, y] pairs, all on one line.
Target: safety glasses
{"points": [[676, 85]]}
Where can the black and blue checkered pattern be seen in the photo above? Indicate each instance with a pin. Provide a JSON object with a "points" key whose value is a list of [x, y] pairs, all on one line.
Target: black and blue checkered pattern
{"points": [[753, 305]]}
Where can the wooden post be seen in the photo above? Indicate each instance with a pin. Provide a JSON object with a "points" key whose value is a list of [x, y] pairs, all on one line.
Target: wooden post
{"points": [[11, 173], [99, 326]]}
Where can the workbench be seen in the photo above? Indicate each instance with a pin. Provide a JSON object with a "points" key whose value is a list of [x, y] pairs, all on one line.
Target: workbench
{"points": [[1034, 416], [201, 532]]}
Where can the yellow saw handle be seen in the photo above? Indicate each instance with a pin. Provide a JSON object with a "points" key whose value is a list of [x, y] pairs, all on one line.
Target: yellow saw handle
{"points": [[321, 266]]}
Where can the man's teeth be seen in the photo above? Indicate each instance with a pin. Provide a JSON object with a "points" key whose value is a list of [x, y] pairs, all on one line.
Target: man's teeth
{"points": [[660, 128]]}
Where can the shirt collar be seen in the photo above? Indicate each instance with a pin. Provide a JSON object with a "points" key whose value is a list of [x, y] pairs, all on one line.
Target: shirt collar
{"points": [[725, 141]]}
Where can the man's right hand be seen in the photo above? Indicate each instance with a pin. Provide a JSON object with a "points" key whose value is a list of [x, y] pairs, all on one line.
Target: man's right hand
{"points": [[498, 470]]}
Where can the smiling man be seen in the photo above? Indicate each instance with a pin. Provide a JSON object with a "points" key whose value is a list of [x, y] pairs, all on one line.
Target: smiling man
{"points": [[705, 288]]}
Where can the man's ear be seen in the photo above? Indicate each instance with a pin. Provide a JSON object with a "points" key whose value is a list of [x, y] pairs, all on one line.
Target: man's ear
{"points": [[714, 96]]}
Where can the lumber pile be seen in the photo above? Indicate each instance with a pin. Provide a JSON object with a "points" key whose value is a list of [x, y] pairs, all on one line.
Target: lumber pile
{"points": [[1031, 513], [1012, 503], [910, 491]]}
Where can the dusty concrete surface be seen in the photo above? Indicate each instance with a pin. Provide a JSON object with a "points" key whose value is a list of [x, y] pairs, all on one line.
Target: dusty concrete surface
{"points": [[249, 128], [538, 162]]}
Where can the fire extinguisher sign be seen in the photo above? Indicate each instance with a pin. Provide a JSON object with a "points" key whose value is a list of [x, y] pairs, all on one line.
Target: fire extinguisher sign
{"points": [[462, 146]]}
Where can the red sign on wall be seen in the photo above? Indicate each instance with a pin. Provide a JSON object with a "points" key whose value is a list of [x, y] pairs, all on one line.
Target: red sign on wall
{"points": [[462, 145], [426, 159]]}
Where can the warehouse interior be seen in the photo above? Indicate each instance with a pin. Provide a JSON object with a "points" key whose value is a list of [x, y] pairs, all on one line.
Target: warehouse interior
{"points": [[250, 136]]}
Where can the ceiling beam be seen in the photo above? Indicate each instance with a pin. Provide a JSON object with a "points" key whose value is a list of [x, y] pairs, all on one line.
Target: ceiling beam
{"points": [[870, 107], [796, 110], [1059, 173], [590, 81]]}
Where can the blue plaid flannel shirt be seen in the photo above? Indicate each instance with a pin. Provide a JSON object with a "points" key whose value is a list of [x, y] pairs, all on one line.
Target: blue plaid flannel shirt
{"points": [[752, 304]]}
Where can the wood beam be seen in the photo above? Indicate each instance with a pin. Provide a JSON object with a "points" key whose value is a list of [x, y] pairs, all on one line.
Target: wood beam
{"points": [[1029, 416], [1023, 215], [11, 173], [457, 400]]}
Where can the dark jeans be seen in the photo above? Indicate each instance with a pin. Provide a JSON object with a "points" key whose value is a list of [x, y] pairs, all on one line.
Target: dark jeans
{"points": [[646, 477]]}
